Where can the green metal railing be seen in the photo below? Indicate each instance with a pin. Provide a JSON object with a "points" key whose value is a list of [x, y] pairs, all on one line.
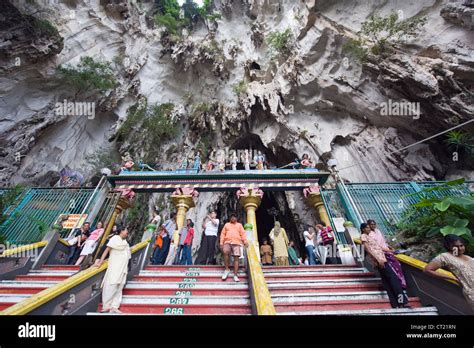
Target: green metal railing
{"points": [[39, 208], [382, 202]]}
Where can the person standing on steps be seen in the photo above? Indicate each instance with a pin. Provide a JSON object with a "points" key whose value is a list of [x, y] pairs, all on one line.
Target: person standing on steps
{"points": [[457, 262], [329, 242], [232, 237], [266, 252], [292, 255], [186, 258], [182, 237], [170, 226], [210, 227], [280, 245], [117, 270], [309, 245], [389, 279], [389, 252], [162, 246]]}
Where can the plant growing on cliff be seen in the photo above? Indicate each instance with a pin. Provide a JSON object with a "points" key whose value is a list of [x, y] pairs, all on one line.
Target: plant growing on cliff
{"points": [[379, 35], [460, 141], [240, 88], [147, 127], [159, 124], [432, 215], [135, 115], [89, 74], [280, 42], [47, 27], [204, 144], [103, 159], [174, 17]]}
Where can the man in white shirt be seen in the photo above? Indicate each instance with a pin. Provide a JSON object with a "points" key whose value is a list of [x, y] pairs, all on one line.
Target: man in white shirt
{"points": [[210, 226]]}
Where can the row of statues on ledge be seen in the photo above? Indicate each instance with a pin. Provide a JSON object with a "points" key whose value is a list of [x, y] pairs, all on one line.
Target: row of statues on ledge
{"points": [[218, 161]]}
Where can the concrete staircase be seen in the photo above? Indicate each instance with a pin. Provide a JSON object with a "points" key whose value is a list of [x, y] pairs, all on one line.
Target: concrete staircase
{"points": [[185, 290], [14, 291], [332, 289]]}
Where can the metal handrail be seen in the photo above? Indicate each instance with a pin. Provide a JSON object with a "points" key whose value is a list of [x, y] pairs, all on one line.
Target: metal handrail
{"points": [[260, 295], [23, 248]]}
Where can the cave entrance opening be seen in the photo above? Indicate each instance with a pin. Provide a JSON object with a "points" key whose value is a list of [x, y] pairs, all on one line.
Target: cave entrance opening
{"points": [[274, 205]]}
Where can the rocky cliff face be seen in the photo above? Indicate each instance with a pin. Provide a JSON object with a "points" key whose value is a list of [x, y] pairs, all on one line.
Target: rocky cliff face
{"points": [[308, 100]]}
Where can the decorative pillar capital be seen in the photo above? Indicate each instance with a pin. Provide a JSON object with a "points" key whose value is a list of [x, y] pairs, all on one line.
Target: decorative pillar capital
{"points": [[250, 197], [127, 197], [314, 199], [184, 197], [313, 195]]}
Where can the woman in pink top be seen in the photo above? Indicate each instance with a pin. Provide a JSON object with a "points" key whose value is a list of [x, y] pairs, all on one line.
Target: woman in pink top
{"points": [[389, 252], [91, 243], [376, 255]]}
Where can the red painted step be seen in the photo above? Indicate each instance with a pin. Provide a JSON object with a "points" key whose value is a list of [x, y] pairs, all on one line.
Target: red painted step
{"points": [[34, 277], [327, 288], [21, 290], [280, 277], [282, 307], [282, 268], [187, 309], [61, 267], [5, 305], [195, 292], [202, 278]]}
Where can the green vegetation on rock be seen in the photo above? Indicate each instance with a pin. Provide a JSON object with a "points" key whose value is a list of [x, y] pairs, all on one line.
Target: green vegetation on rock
{"points": [[240, 88], [174, 17], [437, 214], [280, 42], [89, 74], [379, 35]]}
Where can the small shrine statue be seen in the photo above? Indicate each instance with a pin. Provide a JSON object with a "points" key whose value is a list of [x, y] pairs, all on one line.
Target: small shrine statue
{"points": [[197, 161], [260, 160], [128, 166], [184, 163], [306, 162], [246, 159], [234, 161]]}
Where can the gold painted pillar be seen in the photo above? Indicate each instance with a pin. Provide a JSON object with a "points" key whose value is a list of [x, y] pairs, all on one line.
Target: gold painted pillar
{"points": [[250, 198], [314, 199], [183, 200], [122, 205]]}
